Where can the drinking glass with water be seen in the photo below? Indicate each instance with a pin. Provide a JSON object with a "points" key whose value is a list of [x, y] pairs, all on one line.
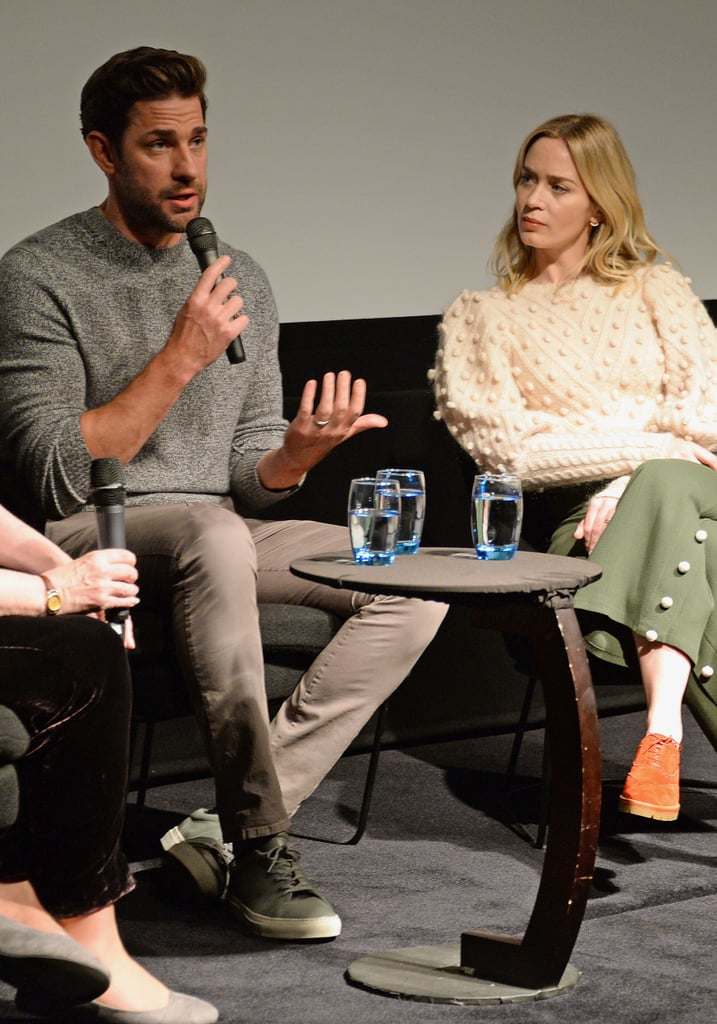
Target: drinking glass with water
{"points": [[413, 507], [374, 514], [496, 515]]}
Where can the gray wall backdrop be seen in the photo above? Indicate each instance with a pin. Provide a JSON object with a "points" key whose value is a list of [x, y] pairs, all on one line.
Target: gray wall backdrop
{"points": [[361, 150]]}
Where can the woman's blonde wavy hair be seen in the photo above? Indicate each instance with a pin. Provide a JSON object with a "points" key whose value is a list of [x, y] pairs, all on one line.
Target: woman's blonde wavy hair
{"points": [[621, 242]]}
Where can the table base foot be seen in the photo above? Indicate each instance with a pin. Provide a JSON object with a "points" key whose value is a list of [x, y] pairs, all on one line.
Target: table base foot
{"points": [[433, 974]]}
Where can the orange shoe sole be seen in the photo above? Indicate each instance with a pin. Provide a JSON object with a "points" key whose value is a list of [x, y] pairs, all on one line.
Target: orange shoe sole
{"points": [[648, 810]]}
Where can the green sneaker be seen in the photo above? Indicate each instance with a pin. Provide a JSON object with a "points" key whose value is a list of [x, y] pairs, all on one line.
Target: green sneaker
{"points": [[196, 859], [270, 895]]}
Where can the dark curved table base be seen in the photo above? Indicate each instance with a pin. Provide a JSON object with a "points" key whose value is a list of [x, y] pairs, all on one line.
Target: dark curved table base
{"points": [[530, 596], [433, 974]]}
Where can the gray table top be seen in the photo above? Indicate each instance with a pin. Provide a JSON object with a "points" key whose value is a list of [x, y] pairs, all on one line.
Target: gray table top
{"points": [[455, 575]]}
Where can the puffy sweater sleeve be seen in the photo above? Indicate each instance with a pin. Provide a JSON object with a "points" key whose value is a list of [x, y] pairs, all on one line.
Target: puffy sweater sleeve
{"points": [[567, 387], [689, 348]]}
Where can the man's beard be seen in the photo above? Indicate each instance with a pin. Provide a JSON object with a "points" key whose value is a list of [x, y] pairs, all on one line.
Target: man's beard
{"points": [[144, 213]]}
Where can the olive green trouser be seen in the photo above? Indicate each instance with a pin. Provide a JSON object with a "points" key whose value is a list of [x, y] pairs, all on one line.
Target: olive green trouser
{"points": [[659, 560]]}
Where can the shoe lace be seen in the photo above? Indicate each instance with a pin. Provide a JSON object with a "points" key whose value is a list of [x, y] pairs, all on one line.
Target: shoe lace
{"points": [[285, 871], [653, 754]]}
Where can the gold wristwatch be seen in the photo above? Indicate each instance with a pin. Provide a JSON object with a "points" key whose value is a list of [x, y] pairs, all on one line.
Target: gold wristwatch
{"points": [[53, 601]]}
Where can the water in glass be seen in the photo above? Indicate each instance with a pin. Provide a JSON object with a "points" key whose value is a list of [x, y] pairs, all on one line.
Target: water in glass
{"points": [[497, 515], [413, 507], [373, 514], [373, 535]]}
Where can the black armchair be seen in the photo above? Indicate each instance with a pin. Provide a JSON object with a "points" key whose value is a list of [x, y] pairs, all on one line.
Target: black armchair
{"points": [[14, 741]]}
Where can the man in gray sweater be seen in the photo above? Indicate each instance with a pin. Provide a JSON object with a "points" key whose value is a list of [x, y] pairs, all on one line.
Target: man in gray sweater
{"points": [[110, 347]]}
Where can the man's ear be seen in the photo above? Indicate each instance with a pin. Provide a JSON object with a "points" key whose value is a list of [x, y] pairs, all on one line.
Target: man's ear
{"points": [[103, 152]]}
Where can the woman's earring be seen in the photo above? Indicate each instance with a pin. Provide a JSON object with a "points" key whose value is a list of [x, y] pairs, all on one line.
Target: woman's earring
{"points": [[594, 223]]}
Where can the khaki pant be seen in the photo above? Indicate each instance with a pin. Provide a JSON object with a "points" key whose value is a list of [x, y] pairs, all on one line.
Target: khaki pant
{"points": [[212, 568]]}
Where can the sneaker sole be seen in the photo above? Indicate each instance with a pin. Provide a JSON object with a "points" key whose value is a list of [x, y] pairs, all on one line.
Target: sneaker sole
{"points": [[172, 838], [648, 810], [290, 928]]}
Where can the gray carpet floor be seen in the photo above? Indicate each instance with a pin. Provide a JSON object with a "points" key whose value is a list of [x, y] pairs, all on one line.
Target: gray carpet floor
{"points": [[444, 853]]}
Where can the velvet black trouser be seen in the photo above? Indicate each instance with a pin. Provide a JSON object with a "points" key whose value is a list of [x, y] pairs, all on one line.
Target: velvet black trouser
{"points": [[67, 680]]}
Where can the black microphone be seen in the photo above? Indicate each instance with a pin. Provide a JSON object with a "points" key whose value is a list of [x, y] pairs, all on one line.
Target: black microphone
{"points": [[107, 494], [202, 240]]}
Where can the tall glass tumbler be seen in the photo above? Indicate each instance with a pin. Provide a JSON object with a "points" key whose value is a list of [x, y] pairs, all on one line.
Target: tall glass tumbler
{"points": [[374, 512], [413, 507], [496, 515]]}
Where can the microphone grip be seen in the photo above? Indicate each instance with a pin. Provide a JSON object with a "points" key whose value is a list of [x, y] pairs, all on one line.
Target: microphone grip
{"points": [[111, 534], [110, 527], [235, 349], [107, 494]]}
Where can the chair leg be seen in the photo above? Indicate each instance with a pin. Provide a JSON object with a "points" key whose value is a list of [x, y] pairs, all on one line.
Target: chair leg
{"points": [[520, 727], [544, 797], [145, 764], [370, 777], [367, 790], [520, 731]]}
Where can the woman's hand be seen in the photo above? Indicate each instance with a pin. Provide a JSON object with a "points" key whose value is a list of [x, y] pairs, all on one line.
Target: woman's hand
{"points": [[678, 448], [601, 508], [97, 581], [599, 513]]}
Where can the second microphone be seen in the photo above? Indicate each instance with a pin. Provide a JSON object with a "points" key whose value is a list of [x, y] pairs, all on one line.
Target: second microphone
{"points": [[107, 494]]}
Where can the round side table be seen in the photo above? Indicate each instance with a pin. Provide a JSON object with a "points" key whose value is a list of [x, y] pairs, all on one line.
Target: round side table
{"points": [[532, 596]]}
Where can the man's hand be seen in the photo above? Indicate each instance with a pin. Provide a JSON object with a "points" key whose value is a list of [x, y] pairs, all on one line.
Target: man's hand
{"points": [[209, 320], [318, 427]]}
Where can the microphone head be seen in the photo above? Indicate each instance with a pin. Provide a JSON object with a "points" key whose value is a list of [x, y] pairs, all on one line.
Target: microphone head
{"points": [[201, 235], [107, 481]]}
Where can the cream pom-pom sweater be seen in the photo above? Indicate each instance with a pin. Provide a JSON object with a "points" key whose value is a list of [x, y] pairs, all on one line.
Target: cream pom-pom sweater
{"points": [[570, 383]]}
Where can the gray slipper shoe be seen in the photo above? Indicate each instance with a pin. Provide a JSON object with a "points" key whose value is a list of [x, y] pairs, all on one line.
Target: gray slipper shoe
{"points": [[180, 1009], [53, 966]]}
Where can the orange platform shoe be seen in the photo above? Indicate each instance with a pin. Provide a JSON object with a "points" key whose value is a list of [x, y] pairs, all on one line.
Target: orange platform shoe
{"points": [[652, 788]]}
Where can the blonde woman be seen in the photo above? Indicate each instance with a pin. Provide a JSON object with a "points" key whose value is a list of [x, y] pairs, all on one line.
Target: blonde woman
{"points": [[589, 370]]}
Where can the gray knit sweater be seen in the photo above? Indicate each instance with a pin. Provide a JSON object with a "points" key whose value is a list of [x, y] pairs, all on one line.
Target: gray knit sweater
{"points": [[82, 311]]}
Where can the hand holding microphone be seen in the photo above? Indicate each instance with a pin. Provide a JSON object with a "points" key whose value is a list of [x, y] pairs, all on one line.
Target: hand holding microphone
{"points": [[105, 579], [107, 493], [203, 242]]}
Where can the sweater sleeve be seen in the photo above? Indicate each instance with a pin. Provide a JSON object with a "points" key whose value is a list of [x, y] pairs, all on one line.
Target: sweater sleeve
{"points": [[42, 387], [77, 327], [689, 346], [262, 424], [552, 435]]}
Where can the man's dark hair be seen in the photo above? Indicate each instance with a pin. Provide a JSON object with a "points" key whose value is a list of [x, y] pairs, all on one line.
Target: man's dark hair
{"points": [[144, 73]]}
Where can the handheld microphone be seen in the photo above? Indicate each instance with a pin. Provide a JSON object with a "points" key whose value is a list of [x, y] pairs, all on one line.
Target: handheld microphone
{"points": [[202, 240], [107, 494]]}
